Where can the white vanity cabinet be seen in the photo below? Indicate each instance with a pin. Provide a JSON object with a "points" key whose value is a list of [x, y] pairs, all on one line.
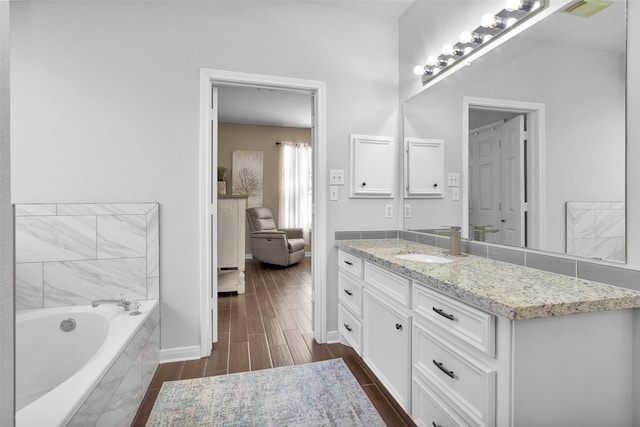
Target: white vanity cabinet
{"points": [[387, 331], [471, 368], [350, 270]]}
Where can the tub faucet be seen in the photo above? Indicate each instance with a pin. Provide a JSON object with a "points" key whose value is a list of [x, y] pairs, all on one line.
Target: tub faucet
{"points": [[122, 302], [454, 239]]}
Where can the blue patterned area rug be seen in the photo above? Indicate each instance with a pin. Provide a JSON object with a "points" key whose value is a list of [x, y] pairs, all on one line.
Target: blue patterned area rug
{"points": [[315, 394]]}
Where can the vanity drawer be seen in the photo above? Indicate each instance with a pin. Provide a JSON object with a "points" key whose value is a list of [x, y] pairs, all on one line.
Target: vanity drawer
{"points": [[466, 323], [350, 293], [463, 383], [392, 285], [350, 264], [350, 329], [429, 410]]}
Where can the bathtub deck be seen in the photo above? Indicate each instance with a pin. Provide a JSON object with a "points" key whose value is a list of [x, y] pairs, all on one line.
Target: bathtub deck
{"points": [[270, 326]]}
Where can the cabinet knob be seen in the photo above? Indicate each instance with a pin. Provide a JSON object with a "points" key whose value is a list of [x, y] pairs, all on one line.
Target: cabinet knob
{"points": [[364, 184], [399, 326], [435, 185]]}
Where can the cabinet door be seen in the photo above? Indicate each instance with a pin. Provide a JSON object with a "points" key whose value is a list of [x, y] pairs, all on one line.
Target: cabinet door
{"points": [[424, 168], [387, 346], [372, 170]]}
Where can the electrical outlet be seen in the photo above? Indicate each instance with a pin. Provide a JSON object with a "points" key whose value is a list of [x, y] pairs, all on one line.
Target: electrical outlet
{"points": [[453, 179], [455, 193], [333, 192], [407, 211], [336, 176], [388, 211]]}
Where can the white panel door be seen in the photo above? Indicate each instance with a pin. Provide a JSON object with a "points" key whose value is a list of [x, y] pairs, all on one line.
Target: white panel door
{"points": [[484, 180], [424, 167], [372, 166], [512, 160]]}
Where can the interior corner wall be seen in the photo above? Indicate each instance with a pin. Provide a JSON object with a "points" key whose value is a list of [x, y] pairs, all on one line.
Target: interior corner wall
{"points": [[237, 136], [105, 108]]}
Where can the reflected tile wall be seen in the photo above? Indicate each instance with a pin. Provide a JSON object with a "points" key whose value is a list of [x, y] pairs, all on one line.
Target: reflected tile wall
{"points": [[596, 230], [69, 254]]}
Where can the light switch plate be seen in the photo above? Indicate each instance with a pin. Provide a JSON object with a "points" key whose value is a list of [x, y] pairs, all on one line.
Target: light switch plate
{"points": [[336, 176], [455, 193], [333, 192], [407, 211], [453, 179], [388, 211]]}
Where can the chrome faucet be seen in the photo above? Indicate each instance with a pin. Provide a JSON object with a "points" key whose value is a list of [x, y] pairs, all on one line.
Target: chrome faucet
{"points": [[122, 302], [454, 239]]}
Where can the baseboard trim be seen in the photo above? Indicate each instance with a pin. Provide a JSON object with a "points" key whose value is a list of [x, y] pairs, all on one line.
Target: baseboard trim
{"points": [[179, 354], [333, 337]]}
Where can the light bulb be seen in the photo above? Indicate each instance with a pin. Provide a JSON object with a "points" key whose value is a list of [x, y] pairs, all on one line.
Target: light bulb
{"points": [[466, 37], [447, 49], [431, 61], [467, 50], [514, 5], [418, 70], [488, 21], [510, 22]]}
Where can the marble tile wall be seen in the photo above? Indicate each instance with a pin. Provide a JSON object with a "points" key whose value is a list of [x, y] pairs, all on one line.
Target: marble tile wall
{"points": [[596, 230], [70, 254]]}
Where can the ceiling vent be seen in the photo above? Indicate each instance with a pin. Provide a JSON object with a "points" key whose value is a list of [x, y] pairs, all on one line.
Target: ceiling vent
{"points": [[586, 8]]}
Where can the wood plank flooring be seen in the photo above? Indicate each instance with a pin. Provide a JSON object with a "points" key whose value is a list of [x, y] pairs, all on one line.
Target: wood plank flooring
{"points": [[270, 326]]}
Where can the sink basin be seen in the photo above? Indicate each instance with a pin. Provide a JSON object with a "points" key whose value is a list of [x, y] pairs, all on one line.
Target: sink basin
{"points": [[425, 258]]}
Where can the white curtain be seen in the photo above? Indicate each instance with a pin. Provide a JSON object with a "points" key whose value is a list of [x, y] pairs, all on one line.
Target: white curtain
{"points": [[295, 187]]}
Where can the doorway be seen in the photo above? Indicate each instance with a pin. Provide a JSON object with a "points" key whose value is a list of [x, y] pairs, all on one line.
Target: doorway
{"points": [[209, 81], [512, 141]]}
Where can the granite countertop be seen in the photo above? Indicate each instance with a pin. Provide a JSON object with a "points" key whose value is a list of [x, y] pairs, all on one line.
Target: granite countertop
{"points": [[500, 288]]}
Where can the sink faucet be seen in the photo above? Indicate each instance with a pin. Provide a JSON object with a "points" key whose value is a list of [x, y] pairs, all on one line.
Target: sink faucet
{"points": [[122, 302], [454, 239]]}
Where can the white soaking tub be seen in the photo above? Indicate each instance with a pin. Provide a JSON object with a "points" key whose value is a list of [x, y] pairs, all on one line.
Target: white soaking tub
{"points": [[56, 370]]}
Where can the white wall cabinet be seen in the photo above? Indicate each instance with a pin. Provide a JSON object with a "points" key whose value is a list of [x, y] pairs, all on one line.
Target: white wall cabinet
{"points": [[423, 168], [372, 172], [231, 232]]}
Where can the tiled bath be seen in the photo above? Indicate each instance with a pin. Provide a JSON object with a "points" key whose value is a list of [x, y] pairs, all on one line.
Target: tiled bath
{"points": [[68, 254]]}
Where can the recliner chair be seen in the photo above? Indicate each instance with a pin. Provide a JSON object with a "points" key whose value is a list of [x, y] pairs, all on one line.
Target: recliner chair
{"points": [[270, 245]]}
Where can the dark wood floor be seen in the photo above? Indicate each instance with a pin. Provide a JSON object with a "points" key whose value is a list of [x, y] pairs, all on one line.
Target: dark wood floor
{"points": [[270, 326]]}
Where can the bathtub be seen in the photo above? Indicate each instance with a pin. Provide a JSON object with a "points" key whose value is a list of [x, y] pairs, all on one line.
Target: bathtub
{"points": [[56, 371]]}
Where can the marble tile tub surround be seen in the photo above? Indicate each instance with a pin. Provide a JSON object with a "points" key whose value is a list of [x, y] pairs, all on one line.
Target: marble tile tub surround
{"points": [[596, 230], [501, 288], [68, 254]]}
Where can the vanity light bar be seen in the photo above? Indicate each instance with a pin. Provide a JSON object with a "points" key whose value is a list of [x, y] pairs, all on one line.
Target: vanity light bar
{"points": [[491, 26]]}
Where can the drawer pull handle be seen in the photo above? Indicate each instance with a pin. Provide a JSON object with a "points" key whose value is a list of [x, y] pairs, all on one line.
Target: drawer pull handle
{"points": [[443, 314], [348, 262], [443, 369], [398, 326], [348, 292], [433, 423], [347, 327]]}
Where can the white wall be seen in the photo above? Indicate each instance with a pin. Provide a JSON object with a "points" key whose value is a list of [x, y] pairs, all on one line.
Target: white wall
{"points": [[105, 109], [6, 234]]}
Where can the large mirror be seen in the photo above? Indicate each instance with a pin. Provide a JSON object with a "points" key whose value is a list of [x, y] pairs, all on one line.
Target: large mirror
{"points": [[536, 130]]}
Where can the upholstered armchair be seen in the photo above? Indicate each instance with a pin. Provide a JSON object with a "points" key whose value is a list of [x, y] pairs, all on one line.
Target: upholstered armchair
{"points": [[284, 246]]}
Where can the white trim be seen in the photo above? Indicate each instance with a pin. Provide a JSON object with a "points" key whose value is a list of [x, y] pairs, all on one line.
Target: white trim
{"points": [[209, 78], [333, 337], [537, 187], [179, 354]]}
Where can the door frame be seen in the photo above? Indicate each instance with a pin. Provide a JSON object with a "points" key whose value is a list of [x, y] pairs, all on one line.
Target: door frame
{"points": [[208, 211], [535, 111]]}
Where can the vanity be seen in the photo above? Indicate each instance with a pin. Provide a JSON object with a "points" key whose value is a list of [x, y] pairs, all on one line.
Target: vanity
{"points": [[469, 341]]}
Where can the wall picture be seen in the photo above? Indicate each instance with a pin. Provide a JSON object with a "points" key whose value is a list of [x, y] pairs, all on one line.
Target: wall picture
{"points": [[247, 177]]}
